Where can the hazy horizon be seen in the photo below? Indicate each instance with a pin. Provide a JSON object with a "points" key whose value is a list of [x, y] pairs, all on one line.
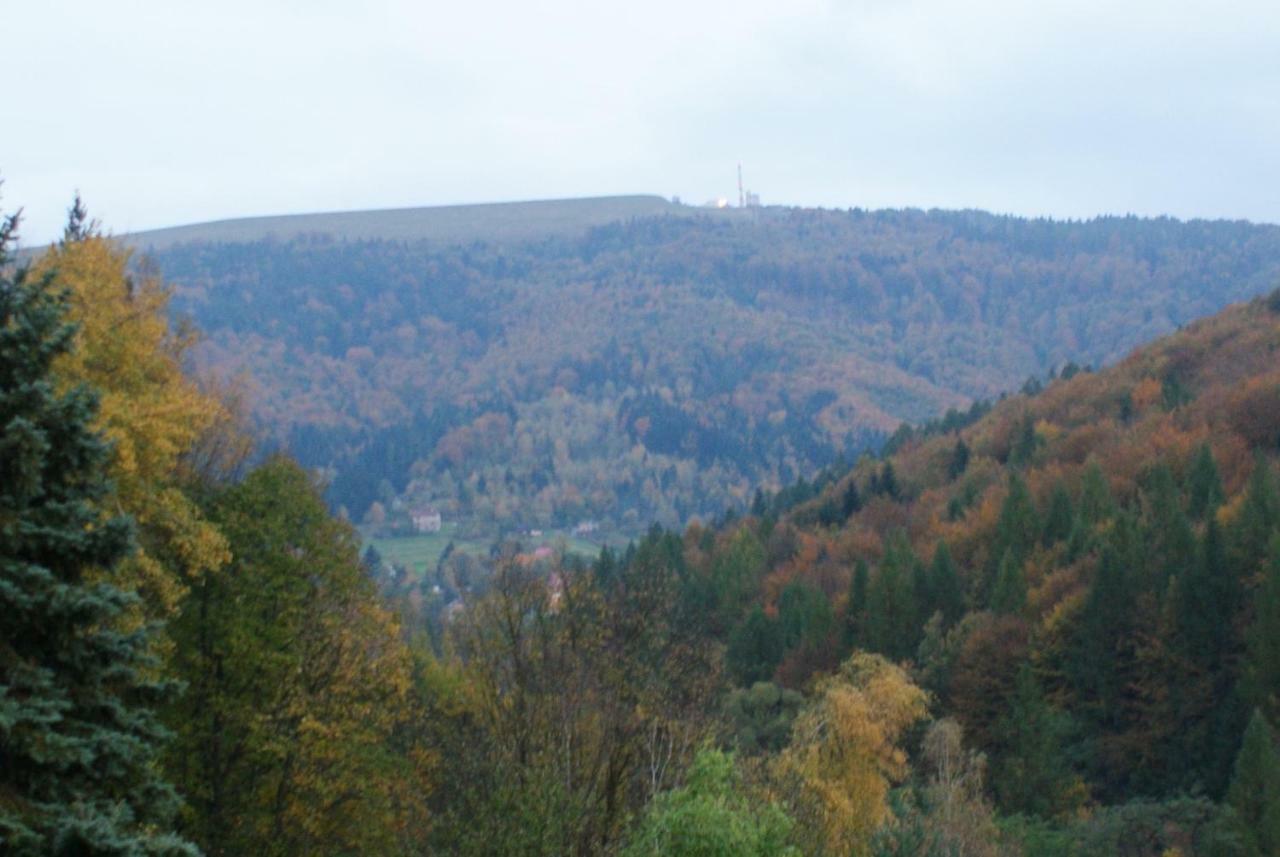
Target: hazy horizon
{"points": [[162, 116]]}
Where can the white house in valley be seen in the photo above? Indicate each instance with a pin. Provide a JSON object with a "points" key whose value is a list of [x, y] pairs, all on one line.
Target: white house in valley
{"points": [[426, 519]]}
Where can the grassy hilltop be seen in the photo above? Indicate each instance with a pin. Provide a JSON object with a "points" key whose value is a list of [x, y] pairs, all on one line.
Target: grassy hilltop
{"points": [[499, 222]]}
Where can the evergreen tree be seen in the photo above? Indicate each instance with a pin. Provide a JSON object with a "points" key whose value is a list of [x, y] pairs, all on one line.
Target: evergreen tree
{"points": [[1098, 665], [1167, 535], [893, 627], [1254, 794], [606, 569], [1259, 519], [1262, 662], [79, 225], [1032, 775], [1019, 526], [959, 462], [830, 512], [850, 502], [1010, 595], [945, 585], [1017, 531], [734, 574], [78, 741], [1060, 519], [1204, 485], [1096, 503], [1025, 442], [889, 482], [805, 614], [1174, 393], [755, 648], [1209, 599], [855, 610]]}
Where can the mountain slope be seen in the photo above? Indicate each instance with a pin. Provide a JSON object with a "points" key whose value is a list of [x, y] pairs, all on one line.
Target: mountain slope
{"points": [[1102, 557], [662, 367]]}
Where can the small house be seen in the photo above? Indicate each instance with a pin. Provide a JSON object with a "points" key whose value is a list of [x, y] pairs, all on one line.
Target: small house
{"points": [[426, 519]]}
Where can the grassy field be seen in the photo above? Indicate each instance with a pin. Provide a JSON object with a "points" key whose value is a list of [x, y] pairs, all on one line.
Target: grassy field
{"points": [[450, 224], [422, 552]]}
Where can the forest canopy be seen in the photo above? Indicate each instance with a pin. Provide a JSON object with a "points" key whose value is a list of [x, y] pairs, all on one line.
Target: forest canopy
{"points": [[665, 367]]}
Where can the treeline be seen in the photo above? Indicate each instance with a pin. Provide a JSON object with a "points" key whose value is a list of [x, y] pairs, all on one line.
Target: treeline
{"points": [[752, 351]]}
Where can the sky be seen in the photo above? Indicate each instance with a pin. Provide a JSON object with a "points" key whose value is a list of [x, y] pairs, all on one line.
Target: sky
{"points": [[163, 113]]}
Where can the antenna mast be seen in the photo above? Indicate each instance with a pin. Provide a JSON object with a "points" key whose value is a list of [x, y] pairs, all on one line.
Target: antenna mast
{"points": [[742, 197]]}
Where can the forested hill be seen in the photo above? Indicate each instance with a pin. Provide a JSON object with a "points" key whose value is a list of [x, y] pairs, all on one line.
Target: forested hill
{"points": [[1087, 580], [662, 367]]}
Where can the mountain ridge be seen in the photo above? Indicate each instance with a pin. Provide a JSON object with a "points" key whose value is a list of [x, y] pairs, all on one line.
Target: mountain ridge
{"points": [[494, 221]]}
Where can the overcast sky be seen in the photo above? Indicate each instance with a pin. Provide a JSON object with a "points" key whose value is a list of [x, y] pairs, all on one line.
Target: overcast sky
{"points": [[173, 112]]}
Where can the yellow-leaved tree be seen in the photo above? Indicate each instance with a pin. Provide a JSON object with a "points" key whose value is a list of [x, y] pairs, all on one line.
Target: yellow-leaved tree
{"points": [[153, 413], [844, 755], [291, 737]]}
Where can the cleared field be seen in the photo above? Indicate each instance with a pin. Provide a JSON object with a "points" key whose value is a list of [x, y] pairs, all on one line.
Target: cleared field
{"points": [[452, 224], [423, 552]]}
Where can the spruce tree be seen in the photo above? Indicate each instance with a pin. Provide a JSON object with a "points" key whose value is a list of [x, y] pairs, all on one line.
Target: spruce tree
{"points": [[1017, 531], [804, 614], [1099, 662], [1025, 443], [1167, 535], [1208, 599], [1032, 775], [1259, 519], [959, 462], [78, 740], [1204, 485], [1060, 519], [945, 585], [889, 482], [1010, 595], [893, 627], [1019, 526], [755, 648], [1262, 662], [855, 610], [1254, 794], [1209, 602], [1096, 503], [851, 501]]}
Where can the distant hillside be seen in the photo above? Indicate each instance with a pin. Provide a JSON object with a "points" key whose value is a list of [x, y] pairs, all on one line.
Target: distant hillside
{"points": [[501, 222], [662, 367]]}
